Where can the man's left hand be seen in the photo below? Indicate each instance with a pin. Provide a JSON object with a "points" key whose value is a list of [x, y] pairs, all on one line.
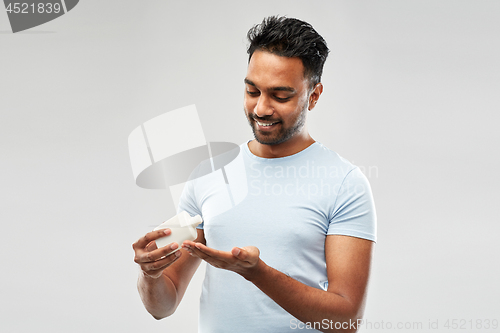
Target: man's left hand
{"points": [[244, 261]]}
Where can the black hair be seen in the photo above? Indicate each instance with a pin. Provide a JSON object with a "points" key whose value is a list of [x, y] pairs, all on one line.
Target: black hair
{"points": [[289, 37]]}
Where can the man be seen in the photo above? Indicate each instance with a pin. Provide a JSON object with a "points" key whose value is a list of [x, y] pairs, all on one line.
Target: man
{"points": [[295, 251]]}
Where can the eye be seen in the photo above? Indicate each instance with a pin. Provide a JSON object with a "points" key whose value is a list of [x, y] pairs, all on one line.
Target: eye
{"points": [[281, 99], [252, 93]]}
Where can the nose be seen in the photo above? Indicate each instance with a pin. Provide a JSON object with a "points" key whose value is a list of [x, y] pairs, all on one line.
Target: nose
{"points": [[263, 107]]}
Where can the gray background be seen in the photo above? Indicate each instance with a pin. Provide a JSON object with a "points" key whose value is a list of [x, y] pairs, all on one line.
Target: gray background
{"points": [[411, 95]]}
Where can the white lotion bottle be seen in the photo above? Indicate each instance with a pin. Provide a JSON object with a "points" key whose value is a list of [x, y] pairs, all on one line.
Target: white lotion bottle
{"points": [[183, 227]]}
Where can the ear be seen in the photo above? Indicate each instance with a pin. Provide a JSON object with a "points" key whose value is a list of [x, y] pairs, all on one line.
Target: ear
{"points": [[314, 95]]}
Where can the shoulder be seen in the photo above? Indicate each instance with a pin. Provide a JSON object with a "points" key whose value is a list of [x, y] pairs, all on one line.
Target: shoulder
{"points": [[323, 155]]}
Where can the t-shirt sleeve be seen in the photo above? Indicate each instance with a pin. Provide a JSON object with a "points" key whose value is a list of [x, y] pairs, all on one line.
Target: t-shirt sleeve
{"points": [[188, 202], [354, 210]]}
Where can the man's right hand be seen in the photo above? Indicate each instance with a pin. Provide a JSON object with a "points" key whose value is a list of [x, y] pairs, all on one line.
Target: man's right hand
{"points": [[151, 259]]}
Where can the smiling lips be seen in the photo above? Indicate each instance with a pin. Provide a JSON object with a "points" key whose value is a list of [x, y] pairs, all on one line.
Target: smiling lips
{"points": [[265, 124]]}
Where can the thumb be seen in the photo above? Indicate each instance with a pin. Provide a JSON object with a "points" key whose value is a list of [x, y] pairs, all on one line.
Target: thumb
{"points": [[245, 252], [237, 252]]}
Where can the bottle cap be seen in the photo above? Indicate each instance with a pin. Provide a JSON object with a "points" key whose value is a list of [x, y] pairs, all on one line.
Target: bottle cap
{"points": [[185, 220], [195, 220]]}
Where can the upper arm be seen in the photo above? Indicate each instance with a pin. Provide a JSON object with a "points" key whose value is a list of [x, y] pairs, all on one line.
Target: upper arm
{"points": [[348, 261], [183, 269]]}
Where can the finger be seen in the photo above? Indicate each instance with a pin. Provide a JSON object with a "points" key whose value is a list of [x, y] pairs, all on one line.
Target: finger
{"points": [[151, 247], [214, 261], [149, 237], [212, 252], [212, 256], [188, 243], [155, 255], [195, 252], [159, 265], [192, 250]]}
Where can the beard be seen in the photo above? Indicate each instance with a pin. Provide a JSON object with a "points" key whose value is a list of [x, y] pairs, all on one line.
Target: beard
{"points": [[280, 134]]}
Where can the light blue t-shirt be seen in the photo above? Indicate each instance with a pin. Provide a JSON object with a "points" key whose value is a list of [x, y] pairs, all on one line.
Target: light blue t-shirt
{"points": [[286, 207]]}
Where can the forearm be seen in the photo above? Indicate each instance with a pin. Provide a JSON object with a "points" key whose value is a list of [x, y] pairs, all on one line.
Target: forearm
{"points": [[306, 303], [158, 295]]}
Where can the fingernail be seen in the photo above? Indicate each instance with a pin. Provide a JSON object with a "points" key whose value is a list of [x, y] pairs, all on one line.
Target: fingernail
{"points": [[178, 254], [174, 246], [166, 231], [237, 251]]}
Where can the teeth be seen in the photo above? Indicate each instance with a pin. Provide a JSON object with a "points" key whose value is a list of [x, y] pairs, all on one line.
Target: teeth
{"points": [[265, 125]]}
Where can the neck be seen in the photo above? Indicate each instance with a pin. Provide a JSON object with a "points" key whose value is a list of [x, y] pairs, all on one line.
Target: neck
{"points": [[287, 148]]}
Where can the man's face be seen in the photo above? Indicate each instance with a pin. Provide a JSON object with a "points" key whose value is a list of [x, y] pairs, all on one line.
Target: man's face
{"points": [[276, 97]]}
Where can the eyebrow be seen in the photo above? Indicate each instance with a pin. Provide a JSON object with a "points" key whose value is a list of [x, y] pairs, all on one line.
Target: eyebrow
{"points": [[284, 88]]}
